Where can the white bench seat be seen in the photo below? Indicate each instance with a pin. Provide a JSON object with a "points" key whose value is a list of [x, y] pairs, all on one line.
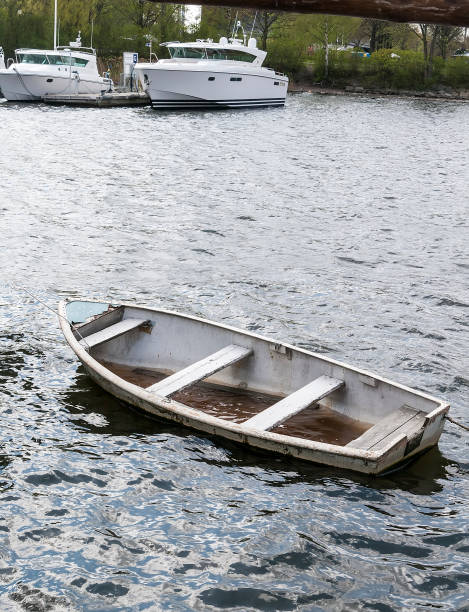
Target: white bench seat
{"points": [[201, 369], [294, 403], [113, 331], [404, 420]]}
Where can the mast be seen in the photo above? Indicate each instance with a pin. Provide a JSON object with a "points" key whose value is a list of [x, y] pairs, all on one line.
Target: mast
{"points": [[55, 26]]}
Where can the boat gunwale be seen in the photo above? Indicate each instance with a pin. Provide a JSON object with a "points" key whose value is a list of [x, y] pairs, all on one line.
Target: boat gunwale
{"points": [[176, 409], [273, 341]]}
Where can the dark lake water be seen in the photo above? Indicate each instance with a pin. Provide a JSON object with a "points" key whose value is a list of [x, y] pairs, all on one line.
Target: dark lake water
{"points": [[337, 224]]}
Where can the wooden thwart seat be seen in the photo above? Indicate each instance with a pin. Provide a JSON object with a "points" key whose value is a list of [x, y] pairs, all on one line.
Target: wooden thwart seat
{"points": [[405, 420], [113, 331], [201, 369], [294, 403]]}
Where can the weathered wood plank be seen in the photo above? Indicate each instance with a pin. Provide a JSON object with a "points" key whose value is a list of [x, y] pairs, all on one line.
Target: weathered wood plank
{"points": [[404, 420], [294, 403], [201, 369], [448, 12], [113, 331]]}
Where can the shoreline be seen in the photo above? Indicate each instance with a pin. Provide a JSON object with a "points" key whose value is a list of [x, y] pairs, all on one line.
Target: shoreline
{"points": [[350, 90]]}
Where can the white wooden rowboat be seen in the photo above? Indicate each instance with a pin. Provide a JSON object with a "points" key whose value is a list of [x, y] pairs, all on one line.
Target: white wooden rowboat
{"points": [[251, 389]]}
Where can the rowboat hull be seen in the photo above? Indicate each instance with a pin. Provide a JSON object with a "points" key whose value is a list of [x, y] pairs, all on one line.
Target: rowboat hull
{"points": [[171, 342]]}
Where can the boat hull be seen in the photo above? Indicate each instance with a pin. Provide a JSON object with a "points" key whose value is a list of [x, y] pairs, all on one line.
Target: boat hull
{"points": [[174, 87], [33, 87], [286, 366]]}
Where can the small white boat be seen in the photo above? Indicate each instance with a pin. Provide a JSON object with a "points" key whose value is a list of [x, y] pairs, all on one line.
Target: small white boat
{"points": [[206, 74], [37, 73], [250, 389]]}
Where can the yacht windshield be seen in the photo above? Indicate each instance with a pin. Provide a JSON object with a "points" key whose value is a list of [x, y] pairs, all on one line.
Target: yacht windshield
{"points": [[59, 60], [56, 60], [187, 52], [234, 55], [32, 58], [66, 60]]}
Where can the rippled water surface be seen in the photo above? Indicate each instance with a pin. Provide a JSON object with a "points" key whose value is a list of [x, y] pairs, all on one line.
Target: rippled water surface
{"points": [[338, 224]]}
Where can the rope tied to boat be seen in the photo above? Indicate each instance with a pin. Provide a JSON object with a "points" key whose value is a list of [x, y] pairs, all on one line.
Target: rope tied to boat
{"points": [[457, 423], [74, 327]]}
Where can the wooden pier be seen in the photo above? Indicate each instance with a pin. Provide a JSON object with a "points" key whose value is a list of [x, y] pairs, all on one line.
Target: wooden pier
{"points": [[100, 100]]}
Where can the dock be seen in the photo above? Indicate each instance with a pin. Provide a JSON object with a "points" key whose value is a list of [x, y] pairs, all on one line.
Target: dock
{"points": [[100, 100]]}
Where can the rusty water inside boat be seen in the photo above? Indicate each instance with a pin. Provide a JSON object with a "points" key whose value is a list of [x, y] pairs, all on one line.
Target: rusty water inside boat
{"points": [[317, 423]]}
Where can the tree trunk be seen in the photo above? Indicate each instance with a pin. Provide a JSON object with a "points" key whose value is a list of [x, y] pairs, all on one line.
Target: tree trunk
{"points": [[374, 30], [326, 48], [432, 52], [424, 37]]}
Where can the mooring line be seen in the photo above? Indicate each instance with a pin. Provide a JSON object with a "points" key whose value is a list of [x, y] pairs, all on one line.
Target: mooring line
{"points": [[21, 288], [457, 423]]}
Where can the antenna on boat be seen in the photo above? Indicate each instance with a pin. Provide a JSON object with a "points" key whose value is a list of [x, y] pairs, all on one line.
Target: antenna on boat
{"points": [[240, 25], [55, 25], [253, 24], [234, 25]]}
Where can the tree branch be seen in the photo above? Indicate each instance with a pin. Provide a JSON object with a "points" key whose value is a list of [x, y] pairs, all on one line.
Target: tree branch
{"points": [[444, 12]]}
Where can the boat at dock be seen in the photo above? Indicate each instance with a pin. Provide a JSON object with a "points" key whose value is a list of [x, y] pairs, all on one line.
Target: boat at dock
{"points": [[207, 74], [36, 73], [250, 389]]}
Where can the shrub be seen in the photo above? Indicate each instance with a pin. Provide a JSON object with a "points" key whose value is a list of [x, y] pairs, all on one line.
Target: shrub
{"points": [[407, 71], [456, 73], [285, 57], [342, 65]]}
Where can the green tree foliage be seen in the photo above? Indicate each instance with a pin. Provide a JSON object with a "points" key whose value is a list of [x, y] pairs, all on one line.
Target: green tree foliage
{"points": [[396, 69], [117, 25], [456, 72], [215, 22]]}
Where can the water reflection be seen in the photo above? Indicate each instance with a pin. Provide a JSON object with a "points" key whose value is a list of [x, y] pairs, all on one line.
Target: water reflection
{"points": [[93, 410]]}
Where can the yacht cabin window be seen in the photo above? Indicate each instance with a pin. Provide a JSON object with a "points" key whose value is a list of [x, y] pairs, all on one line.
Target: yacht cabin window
{"points": [[78, 61], [211, 54], [55, 60], [32, 58], [234, 55], [187, 52]]}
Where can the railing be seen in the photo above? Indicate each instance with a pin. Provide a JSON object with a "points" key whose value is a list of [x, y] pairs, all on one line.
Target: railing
{"points": [[109, 82]]}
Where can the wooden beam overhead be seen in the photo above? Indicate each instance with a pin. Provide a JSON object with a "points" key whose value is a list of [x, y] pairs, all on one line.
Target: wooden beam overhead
{"points": [[444, 12]]}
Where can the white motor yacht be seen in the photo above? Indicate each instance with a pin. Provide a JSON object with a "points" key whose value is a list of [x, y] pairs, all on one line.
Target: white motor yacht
{"points": [[37, 73], [206, 74]]}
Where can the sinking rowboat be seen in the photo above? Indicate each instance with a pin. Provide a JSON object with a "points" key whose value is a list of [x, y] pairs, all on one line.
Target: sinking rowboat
{"points": [[250, 389]]}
